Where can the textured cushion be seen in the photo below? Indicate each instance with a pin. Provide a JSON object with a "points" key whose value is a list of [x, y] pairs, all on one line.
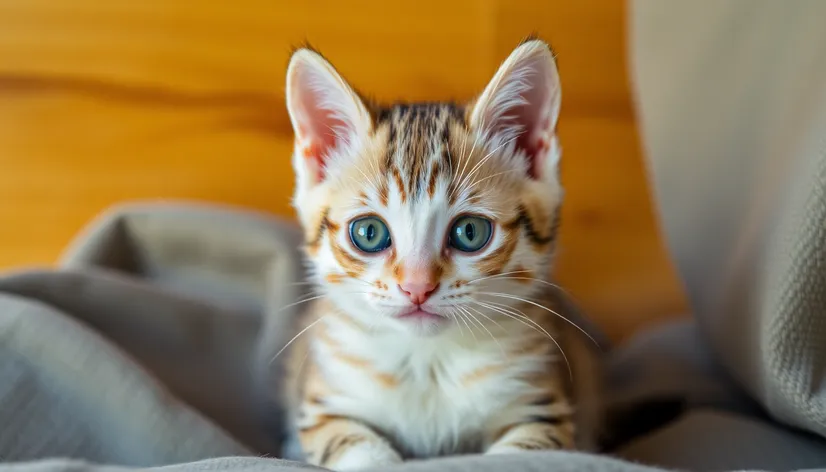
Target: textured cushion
{"points": [[712, 440], [732, 101]]}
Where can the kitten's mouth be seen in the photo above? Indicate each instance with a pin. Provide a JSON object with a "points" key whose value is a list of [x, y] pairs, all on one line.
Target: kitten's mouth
{"points": [[417, 313]]}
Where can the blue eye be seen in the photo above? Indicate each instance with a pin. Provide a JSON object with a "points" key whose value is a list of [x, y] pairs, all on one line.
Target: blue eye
{"points": [[370, 234], [470, 233]]}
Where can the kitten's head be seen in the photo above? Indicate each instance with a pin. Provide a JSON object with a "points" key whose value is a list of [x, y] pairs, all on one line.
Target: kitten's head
{"points": [[415, 214]]}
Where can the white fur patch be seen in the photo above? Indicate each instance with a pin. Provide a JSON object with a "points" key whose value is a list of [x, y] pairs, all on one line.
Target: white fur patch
{"points": [[366, 454], [433, 410]]}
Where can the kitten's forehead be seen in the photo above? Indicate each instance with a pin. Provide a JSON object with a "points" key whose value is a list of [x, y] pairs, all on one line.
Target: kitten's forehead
{"points": [[417, 152]]}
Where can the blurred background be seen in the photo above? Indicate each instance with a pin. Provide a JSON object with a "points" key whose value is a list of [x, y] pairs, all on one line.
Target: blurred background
{"points": [[108, 101]]}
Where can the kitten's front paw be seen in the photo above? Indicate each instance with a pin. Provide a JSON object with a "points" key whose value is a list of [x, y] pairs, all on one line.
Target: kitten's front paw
{"points": [[366, 454], [504, 449]]}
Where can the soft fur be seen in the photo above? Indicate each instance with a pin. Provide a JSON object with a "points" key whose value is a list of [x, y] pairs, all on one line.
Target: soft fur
{"points": [[369, 387]]}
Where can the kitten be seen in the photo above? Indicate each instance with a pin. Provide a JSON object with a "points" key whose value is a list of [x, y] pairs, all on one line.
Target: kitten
{"points": [[430, 229]]}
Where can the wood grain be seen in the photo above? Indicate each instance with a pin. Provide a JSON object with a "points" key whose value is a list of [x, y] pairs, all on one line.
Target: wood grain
{"points": [[102, 102]]}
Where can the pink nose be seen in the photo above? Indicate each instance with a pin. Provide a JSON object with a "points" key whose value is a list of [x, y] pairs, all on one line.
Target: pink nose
{"points": [[418, 292]]}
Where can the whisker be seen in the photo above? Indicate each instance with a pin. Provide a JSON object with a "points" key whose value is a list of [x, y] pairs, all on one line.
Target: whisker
{"points": [[474, 184], [468, 315], [452, 313], [374, 168], [302, 301], [481, 162], [487, 318], [461, 153], [460, 174], [541, 281], [467, 158], [338, 136], [294, 338], [520, 316], [513, 297], [524, 319], [358, 280], [483, 325], [499, 275], [466, 324], [316, 295]]}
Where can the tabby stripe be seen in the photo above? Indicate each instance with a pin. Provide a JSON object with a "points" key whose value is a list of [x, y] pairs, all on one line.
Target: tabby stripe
{"points": [[321, 421], [554, 440], [400, 183], [322, 228], [337, 443], [549, 419], [544, 400], [529, 444], [526, 223]]}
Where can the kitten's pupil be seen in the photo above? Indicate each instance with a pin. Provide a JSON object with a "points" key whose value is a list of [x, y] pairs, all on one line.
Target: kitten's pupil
{"points": [[368, 232], [469, 231]]}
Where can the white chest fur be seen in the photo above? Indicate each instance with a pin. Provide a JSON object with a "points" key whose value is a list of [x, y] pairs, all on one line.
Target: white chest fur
{"points": [[430, 396]]}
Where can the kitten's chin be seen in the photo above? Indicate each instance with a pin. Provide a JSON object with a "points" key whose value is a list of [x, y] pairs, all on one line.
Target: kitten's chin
{"points": [[422, 322]]}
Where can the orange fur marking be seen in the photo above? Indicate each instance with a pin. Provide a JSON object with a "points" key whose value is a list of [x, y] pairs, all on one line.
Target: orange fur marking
{"points": [[323, 336], [346, 319], [321, 421], [383, 193], [313, 151], [352, 266], [333, 226], [384, 379], [334, 278], [398, 273], [353, 360], [320, 225], [522, 275], [400, 183], [436, 271], [480, 374], [391, 258], [494, 262], [434, 174]]}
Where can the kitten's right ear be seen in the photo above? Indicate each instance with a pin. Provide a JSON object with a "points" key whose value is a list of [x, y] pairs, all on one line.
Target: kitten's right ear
{"points": [[326, 113]]}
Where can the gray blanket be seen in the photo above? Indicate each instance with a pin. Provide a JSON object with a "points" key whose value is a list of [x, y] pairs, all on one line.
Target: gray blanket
{"points": [[151, 345]]}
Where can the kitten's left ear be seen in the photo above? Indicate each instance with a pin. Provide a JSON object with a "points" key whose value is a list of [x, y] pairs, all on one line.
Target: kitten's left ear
{"points": [[521, 103]]}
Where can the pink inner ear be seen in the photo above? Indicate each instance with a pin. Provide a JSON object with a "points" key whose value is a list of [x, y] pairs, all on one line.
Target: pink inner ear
{"points": [[535, 123], [536, 150], [529, 114], [320, 129]]}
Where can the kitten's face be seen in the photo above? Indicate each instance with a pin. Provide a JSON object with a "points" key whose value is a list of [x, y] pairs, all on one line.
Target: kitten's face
{"points": [[422, 217]]}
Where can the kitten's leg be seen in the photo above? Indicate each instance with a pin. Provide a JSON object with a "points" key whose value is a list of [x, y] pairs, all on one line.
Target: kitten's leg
{"points": [[343, 444], [530, 437], [552, 429], [325, 439]]}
